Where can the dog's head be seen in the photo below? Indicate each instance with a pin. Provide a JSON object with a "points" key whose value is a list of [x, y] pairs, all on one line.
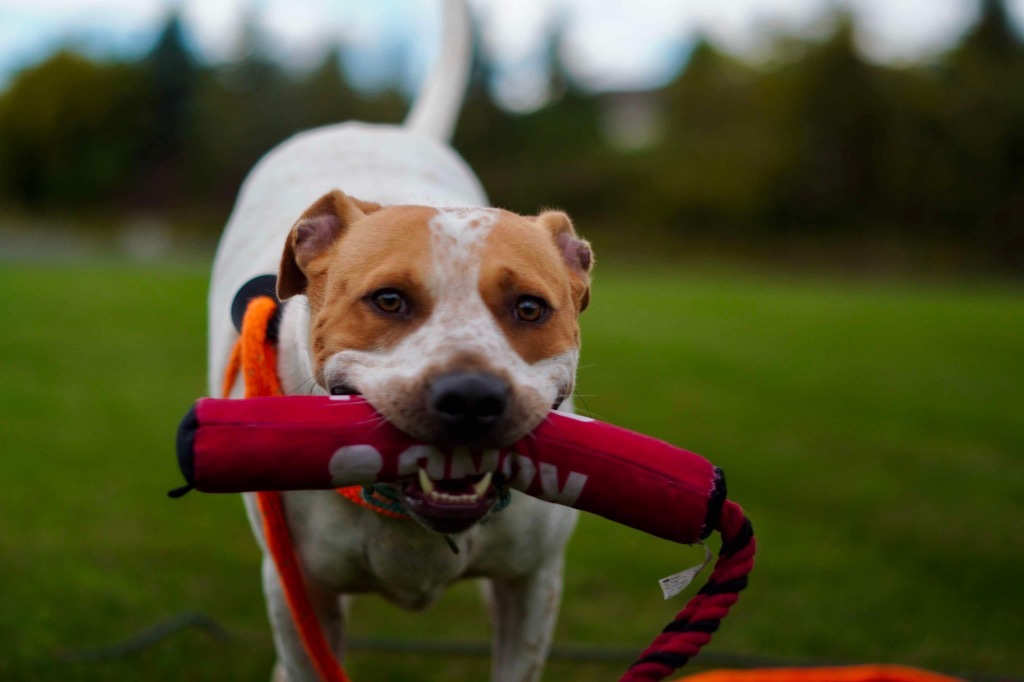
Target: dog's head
{"points": [[458, 325]]}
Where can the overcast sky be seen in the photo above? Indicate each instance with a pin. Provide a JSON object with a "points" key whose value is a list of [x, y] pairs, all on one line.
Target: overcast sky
{"points": [[610, 43]]}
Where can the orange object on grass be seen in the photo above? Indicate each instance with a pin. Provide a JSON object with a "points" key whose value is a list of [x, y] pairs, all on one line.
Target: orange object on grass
{"points": [[852, 673]]}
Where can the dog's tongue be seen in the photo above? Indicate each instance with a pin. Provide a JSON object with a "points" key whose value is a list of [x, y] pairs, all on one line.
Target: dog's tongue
{"points": [[446, 518]]}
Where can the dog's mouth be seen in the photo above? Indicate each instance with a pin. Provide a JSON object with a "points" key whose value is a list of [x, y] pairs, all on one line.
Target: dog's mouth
{"points": [[450, 505], [446, 505]]}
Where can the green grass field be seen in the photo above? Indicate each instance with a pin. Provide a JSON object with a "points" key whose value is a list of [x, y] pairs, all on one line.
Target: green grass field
{"points": [[874, 433]]}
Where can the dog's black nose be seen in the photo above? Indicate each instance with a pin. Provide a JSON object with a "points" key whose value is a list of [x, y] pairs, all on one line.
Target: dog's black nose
{"points": [[469, 404]]}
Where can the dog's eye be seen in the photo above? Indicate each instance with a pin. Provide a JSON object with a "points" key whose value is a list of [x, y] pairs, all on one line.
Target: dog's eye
{"points": [[389, 301], [530, 309]]}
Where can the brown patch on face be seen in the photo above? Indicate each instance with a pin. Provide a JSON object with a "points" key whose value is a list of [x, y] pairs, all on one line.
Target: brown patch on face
{"points": [[388, 249], [524, 257]]}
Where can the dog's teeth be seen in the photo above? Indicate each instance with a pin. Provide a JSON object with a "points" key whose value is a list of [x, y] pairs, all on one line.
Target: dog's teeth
{"points": [[480, 487], [440, 496], [477, 491], [425, 482]]}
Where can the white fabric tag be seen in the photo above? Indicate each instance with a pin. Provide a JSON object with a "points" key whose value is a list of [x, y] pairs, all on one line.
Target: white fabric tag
{"points": [[676, 583]]}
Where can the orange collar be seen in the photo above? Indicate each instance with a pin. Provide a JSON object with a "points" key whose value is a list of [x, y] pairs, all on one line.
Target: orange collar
{"points": [[372, 500]]}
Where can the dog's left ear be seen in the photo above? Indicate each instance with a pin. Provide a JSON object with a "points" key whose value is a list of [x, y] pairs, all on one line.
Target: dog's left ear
{"points": [[576, 253], [312, 236]]}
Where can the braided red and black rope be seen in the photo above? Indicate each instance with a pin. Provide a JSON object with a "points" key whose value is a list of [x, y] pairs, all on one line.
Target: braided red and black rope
{"points": [[692, 627]]}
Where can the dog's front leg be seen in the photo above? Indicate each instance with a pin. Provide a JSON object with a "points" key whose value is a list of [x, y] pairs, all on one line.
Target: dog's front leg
{"points": [[523, 612], [293, 664]]}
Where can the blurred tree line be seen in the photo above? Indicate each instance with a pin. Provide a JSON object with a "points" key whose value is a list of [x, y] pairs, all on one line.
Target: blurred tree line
{"points": [[816, 143]]}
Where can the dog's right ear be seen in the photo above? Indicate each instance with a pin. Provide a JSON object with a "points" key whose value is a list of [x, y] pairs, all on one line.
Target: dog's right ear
{"points": [[312, 236]]}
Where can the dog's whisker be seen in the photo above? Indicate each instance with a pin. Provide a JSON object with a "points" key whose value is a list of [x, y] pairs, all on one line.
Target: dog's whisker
{"points": [[381, 421], [300, 387], [590, 413], [374, 422]]}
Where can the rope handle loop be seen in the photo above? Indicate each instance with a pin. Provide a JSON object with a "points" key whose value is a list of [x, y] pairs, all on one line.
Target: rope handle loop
{"points": [[693, 626]]}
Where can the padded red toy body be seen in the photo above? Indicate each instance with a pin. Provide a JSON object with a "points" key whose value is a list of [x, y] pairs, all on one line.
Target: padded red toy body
{"points": [[292, 443], [327, 442]]}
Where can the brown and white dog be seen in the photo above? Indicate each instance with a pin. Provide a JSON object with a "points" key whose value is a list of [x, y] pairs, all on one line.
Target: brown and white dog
{"points": [[457, 322]]}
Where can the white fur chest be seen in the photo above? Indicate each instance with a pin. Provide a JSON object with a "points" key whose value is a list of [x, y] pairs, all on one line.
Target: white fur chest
{"points": [[351, 550]]}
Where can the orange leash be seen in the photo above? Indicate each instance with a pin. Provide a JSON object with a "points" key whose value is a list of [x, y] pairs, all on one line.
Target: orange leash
{"points": [[257, 361]]}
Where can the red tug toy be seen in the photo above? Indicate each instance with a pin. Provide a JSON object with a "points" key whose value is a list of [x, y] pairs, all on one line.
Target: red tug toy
{"points": [[292, 443]]}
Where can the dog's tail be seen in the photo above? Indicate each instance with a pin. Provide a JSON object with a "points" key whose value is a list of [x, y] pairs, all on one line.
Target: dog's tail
{"points": [[437, 105]]}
